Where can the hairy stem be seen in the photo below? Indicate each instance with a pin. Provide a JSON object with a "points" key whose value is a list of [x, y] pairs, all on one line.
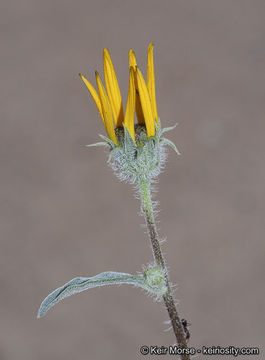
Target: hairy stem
{"points": [[148, 211]]}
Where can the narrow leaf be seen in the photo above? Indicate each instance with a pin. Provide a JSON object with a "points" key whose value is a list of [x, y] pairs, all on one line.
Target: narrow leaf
{"points": [[100, 143], [166, 129], [108, 140], [80, 284], [171, 144]]}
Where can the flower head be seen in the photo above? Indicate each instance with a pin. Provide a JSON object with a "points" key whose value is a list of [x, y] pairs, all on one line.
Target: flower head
{"points": [[141, 96], [137, 150]]}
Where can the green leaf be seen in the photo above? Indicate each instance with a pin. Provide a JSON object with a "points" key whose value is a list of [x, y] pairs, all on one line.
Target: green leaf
{"points": [[166, 129], [106, 142], [80, 284], [100, 143], [110, 142], [170, 143]]}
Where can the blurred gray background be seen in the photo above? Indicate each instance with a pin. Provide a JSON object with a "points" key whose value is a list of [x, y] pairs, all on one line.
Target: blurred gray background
{"points": [[64, 214]]}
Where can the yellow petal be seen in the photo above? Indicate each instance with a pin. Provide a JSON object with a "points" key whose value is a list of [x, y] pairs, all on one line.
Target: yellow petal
{"points": [[94, 95], [146, 104], [106, 109], [151, 80], [129, 114], [113, 89], [138, 107]]}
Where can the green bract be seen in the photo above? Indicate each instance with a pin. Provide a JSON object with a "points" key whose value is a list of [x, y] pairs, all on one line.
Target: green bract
{"points": [[139, 160]]}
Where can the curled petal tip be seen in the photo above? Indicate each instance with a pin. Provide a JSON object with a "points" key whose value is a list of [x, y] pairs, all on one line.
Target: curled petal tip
{"points": [[106, 52], [132, 59], [151, 45]]}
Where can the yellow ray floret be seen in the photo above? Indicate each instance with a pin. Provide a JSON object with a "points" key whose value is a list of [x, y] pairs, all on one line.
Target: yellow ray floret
{"points": [[146, 104], [151, 80], [129, 114], [138, 107], [106, 110], [94, 95], [132, 59], [113, 89]]}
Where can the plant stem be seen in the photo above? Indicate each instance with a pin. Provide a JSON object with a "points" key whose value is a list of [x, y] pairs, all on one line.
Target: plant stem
{"points": [[148, 211]]}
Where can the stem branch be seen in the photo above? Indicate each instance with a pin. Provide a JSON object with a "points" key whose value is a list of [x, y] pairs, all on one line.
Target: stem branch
{"points": [[147, 208]]}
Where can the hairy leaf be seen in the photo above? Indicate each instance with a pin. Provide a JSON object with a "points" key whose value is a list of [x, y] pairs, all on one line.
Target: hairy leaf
{"points": [[80, 284], [170, 143]]}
